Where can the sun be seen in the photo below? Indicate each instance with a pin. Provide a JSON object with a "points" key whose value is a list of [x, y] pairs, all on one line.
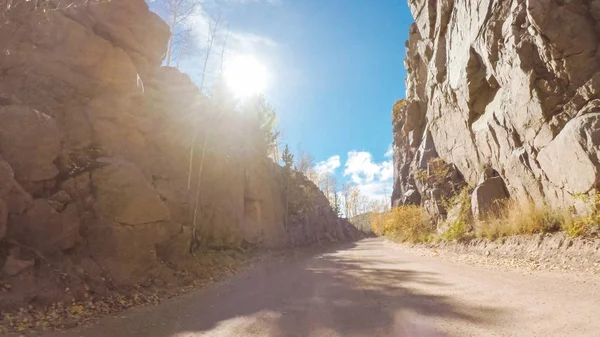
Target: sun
{"points": [[245, 76]]}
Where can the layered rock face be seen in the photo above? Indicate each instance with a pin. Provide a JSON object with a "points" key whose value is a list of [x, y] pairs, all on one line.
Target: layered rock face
{"points": [[94, 158], [507, 89]]}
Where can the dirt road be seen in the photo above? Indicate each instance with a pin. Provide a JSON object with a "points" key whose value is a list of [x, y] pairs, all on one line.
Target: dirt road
{"points": [[372, 289]]}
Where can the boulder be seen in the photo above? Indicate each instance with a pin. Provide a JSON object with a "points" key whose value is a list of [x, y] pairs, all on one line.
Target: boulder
{"points": [[46, 230], [14, 266], [3, 218], [176, 248], [6, 178], [79, 189], [486, 196], [61, 197], [570, 161], [124, 196], [18, 200], [451, 218], [66, 58], [130, 26], [126, 253], [29, 142], [59, 200], [411, 197]]}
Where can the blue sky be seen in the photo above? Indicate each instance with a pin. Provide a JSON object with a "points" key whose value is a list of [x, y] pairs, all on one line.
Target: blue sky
{"points": [[336, 68]]}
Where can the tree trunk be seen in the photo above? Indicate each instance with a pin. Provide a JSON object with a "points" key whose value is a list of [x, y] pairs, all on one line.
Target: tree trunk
{"points": [[287, 197], [197, 197], [171, 40]]}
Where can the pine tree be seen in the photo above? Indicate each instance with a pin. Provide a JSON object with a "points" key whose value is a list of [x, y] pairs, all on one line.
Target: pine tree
{"points": [[287, 157], [288, 161]]}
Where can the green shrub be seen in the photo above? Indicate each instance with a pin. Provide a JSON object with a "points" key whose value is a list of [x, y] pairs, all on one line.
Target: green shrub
{"points": [[461, 222]]}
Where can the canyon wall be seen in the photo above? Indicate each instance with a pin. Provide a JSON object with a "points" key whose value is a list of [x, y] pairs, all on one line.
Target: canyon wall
{"points": [[506, 95], [94, 158]]}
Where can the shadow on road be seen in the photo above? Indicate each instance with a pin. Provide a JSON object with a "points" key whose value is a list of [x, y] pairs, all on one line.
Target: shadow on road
{"points": [[353, 290], [340, 293]]}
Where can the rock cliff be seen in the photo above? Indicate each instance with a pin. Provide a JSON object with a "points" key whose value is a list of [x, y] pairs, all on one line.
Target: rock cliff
{"points": [[94, 157], [505, 90]]}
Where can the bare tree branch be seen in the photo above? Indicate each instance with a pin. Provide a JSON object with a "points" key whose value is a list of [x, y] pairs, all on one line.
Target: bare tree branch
{"points": [[185, 40], [223, 48], [176, 13], [7, 7], [212, 33]]}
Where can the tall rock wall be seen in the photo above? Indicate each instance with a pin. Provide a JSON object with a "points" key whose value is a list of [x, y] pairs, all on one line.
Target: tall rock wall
{"points": [[501, 88], [94, 157]]}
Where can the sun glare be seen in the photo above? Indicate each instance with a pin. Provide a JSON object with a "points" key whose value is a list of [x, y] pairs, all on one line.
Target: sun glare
{"points": [[246, 76]]}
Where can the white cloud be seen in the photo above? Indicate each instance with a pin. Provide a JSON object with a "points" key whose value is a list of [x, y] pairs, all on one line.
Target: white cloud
{"points": [[271, 2], [249, 43], [199, 24], [390, 151], [373, 179], [328, 166], [376, 190], [387, 170], [361, 168]]}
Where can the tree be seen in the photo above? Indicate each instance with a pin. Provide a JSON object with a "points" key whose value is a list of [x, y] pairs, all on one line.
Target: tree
{"points": [[363, 204], [287, 157], [185, 40], [9, 6], [221, 105], [304, 162], [275, 152], [268, 122], [213, 26], [223, 46], [354, 201], [264, 116], [212, 32], [176, 13], [327, 184], [288, 161], [336, 203], [346, 195]]}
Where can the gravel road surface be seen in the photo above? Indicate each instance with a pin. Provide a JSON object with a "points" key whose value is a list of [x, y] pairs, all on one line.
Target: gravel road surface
{"points": [[371, 288]]}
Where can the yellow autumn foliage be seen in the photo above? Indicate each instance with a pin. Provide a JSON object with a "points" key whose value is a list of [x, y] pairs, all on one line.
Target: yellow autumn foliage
{"points": [[408, 223]]}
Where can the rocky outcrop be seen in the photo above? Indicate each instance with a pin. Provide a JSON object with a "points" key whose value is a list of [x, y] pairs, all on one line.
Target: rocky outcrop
{"points": [[94, 158], [14, 266], [486, 197], [45, 229], [29, 142], [123, 195], [511, 86]]}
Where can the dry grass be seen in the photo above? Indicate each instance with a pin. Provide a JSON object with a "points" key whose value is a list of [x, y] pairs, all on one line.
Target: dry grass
{"points": [[589, 222], [462, 221], [412, 223], [398, 106], [438, 170], [513, 218], [405, 224]]}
